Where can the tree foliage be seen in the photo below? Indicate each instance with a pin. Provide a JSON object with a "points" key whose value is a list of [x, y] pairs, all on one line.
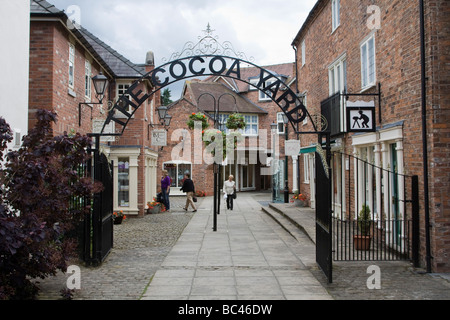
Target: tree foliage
{"points": [[37, 183]]}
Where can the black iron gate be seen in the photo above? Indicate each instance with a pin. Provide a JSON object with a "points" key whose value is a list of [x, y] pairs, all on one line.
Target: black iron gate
{"points": [[375, 211], [102, 215], [323, 208], [97, 238]]}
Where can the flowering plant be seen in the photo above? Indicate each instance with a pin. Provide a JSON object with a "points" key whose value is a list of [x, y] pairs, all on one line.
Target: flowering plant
{"points": [[200, 194], [119, 214], [155, 204], [198, 117], [236, 121], [300, 197]]}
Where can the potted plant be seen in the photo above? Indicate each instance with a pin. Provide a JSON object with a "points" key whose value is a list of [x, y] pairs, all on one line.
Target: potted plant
{"points": [[198, 117], [118, 217], [363, 239], [299, 200], [236, 121], [155, 207]]}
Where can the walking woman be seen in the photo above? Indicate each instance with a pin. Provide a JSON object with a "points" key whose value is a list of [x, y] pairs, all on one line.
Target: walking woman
{"points": [[166, 181], [229, 188], [189, 189]]}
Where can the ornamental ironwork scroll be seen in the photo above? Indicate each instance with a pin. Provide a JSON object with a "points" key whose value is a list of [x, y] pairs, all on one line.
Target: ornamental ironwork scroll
{"points": [[191, 63]]}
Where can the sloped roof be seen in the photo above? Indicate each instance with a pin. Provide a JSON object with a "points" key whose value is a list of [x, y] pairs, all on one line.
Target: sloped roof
{"points": [[115, 63], [222, 92], [43, 7], [121, 66], [284, 70]]}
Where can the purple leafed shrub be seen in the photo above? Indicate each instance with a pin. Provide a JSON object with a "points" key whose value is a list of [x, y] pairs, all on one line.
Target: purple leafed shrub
{"points": [[36, 221]]}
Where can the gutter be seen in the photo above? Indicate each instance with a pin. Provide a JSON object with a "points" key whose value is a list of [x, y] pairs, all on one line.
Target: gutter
{"points": [[424, 136]]}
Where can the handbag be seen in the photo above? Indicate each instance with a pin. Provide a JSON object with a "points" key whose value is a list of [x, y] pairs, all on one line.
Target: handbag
{"points": [[194, 199], [234, 194]]}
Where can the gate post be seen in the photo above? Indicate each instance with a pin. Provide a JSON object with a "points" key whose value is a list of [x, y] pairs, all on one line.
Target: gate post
{"points": [[415, 220], [324, 232]]}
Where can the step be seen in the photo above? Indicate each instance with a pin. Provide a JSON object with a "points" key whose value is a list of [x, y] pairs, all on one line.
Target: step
{"points": [[303, 219], [284, 222]]}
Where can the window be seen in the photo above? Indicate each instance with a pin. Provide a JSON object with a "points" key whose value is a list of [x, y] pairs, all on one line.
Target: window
{"points": [[177, 171], [337, 73], [124, 182], [223, 121], [281, 117], [303, 53], [335, 13], [253, 84], [262, 95], [306, 168], [252, 125], [87, 79], [71, 65], [121, 90], [305, 103], [368, 68]]}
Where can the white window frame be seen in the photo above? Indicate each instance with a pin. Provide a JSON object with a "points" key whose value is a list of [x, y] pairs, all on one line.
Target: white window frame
{"points": [[306, 169], [280, 123], [368, 63], [303, 53], [335, 14], [337, 79], [248, 117], [305, 103], [87, 79], [71, 65], [121, 88], [263, 96]]}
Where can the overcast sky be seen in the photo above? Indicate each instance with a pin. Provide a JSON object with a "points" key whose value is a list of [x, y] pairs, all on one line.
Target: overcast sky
{"points": [[263, 29]]}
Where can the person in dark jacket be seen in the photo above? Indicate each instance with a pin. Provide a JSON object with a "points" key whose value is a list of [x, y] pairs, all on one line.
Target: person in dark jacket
{"points": [[189, 189]]}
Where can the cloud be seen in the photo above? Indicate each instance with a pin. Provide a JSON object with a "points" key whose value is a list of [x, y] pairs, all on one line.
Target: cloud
{"points": [[263, 29]]}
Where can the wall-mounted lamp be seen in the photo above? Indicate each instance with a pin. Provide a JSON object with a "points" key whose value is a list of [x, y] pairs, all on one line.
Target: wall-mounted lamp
{"points": [[100, 85]]}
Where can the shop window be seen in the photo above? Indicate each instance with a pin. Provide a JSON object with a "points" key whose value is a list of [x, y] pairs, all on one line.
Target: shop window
{"points": [[124, 182]]}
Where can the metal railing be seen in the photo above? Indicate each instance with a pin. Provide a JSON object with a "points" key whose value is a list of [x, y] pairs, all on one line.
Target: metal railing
{"points": [[375, 212]]}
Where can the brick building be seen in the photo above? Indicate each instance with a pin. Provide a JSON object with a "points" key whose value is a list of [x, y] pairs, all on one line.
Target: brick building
{"points": [[370, 47], [63, 60], [251, 159]]}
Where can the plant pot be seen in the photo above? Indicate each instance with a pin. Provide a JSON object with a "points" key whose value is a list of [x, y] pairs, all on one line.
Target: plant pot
{"points": [[362, 242], [155, 210], [300, 203], [118, 220]]}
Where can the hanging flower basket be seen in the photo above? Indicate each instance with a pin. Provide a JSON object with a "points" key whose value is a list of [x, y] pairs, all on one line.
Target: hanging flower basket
{"points": [[198, 117], [236, 121]]}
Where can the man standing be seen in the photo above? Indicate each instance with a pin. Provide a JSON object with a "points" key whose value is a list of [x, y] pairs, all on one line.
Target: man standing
{"points": [[189, 189]]}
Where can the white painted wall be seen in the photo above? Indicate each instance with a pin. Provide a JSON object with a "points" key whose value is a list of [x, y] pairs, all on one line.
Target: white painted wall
{"points": [[14, 64]]}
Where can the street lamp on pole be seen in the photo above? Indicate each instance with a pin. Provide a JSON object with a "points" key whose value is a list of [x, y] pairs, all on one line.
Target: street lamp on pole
{"points": [[286, 160]]}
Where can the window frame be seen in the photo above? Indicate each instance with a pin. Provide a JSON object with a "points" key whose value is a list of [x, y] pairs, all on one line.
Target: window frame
{"points": [[87, 79], [71, 61], [280, 121], [250, 123], [335, 14], [367, 64]]}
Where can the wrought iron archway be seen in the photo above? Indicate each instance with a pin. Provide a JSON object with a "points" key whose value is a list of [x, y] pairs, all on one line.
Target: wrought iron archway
{"points": [[209, 57]]}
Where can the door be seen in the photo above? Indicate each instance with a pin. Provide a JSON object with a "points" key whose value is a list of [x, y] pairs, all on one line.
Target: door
{"points": [[396, 223]]}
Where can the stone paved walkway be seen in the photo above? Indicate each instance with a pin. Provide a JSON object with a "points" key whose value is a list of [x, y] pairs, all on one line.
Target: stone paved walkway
{"points": [[249, 257]]}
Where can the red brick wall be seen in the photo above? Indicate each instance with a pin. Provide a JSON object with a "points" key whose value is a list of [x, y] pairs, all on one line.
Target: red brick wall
{"points": [[49, 78], [398, 68]]}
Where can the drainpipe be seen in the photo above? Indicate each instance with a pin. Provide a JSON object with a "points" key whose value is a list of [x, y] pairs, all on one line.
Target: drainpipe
{"points": [[298, 125], [424, 136]]}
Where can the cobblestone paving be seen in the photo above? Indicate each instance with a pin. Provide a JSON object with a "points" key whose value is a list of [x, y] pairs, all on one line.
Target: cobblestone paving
{"points": [[140, 246], [399, 281]]}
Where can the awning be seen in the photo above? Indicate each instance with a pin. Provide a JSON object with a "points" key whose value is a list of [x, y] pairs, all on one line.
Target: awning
{"points": [[311, 149]]}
